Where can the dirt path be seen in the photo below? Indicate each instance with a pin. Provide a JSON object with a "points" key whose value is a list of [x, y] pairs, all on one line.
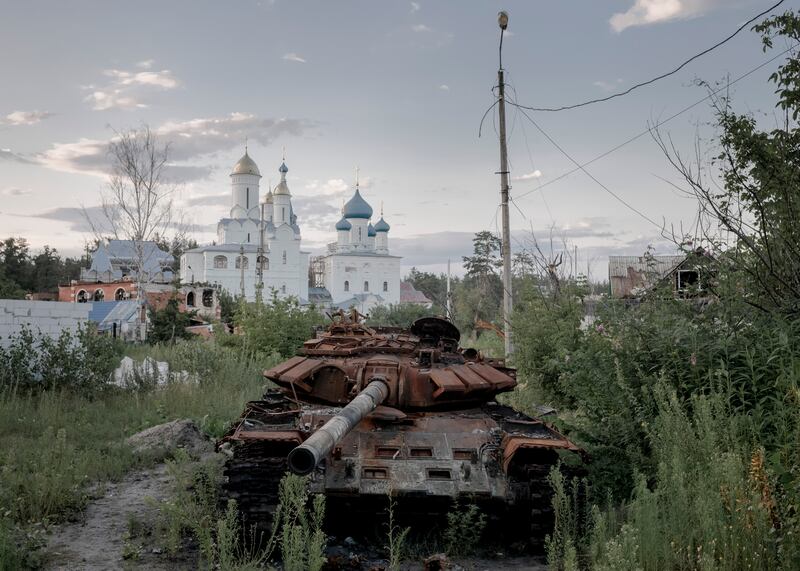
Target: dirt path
{"points": [[97, 541]]}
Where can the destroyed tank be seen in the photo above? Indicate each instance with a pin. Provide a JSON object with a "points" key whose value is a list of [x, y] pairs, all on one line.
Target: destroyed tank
{"points": [[367, 412]]}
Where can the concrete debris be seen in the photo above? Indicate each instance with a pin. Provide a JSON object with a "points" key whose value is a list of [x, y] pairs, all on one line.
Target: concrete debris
{"points": [[165, 439], [148, 373]]}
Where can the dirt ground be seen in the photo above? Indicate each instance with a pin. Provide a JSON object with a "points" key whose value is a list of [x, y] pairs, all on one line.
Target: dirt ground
{"points": [[96, 542]]}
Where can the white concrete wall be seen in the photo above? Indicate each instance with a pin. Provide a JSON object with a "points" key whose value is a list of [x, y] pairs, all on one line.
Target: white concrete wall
{"points": [[48, 317]]}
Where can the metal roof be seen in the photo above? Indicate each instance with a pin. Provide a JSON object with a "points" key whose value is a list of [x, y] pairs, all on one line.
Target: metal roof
{"points": [[618, 266]]}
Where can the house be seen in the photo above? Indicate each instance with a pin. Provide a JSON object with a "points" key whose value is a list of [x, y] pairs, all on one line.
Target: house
{"points": [[409, 294], [632, 276]]}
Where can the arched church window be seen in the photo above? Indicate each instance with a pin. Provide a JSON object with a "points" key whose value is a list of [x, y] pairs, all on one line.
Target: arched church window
{"points": [[359, 234], [366, 286], [283, 214], [247, 199], [99, 294], [82, 296], [283, 289], [208, 298], [220, 263], [119, 295], [385, 286], [346, 285], [264, 261], [284, 256], [190, 299], [242, 262]]}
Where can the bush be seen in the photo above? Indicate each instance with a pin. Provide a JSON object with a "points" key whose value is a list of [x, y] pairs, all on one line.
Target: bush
{"points": [[82, 362], [397, 315], [279, 326]]}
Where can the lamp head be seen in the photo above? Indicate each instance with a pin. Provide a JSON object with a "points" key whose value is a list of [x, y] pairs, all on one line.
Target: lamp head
{"points": [[502, 20]]}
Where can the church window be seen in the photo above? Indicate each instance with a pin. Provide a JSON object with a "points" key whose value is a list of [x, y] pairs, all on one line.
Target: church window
{"points": [[242, 262], [208, 298], [284, 256], [220, 262], [119, 295], [366, 286], [385, 286], [346, 285], [248, 237], [82, 297], [247, 199], [264, 261], [283, 214], [99, 294], [359, 234], [283, 289], [190, 299]]}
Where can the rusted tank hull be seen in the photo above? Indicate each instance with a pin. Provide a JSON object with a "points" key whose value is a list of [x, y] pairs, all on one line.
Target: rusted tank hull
{"points": [[491, 455]]}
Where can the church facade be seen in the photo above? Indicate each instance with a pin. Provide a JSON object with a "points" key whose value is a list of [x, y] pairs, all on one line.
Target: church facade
{"points": [[358, 269], [258, 245]]}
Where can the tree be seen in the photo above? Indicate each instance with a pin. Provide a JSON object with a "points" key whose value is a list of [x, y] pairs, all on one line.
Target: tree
{"points": [[751, 188], [16, 262], [433, 286], [169, 323], [485, 259], [398, 315], [137, 204], [48, 270], [279, 325]]}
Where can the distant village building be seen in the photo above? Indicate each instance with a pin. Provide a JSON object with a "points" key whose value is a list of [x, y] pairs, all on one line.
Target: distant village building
{"points": [[110, 287], [633, 276], [257, 245], [410, 294], [358, 270]]}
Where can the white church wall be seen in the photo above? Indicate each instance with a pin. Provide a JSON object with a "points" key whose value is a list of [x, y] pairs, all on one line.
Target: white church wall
{"points": [[356, 270]]}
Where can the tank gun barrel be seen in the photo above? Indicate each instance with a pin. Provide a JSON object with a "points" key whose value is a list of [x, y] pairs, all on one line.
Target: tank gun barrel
{"points": [[303, 459]]}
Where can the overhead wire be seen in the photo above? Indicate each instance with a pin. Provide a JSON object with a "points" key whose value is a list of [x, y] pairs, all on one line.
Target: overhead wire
{"points": [[659, 77], [586, 172], [658, 124]]}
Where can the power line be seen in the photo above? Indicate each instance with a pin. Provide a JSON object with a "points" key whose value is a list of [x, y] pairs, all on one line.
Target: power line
{"points": [[656, 126], [581, 167], [663, 75]]}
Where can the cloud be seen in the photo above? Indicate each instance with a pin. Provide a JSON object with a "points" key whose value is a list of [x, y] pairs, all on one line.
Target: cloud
{"points": [[291, 56], [420, 28], [127, 88], [607, 85], [145, 64], [191, 140], [15, 191], [331, 187], [26, 117], [529, 176], [415, 7], [9, 155], [444, 87], [221, 199], [644, 12], [75, 217]]}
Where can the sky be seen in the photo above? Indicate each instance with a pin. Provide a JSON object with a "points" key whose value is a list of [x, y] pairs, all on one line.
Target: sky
{"points": [[396, 89]]}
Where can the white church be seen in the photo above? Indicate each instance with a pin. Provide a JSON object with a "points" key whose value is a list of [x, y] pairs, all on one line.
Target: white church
{"points": [[258, 247]]}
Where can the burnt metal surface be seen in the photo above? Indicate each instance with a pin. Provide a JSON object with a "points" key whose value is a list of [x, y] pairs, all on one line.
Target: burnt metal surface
{"points": [[368, 412]]}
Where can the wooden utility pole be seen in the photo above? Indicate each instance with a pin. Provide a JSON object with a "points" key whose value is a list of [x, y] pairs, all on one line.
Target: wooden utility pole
{"points": [[502, 20]]}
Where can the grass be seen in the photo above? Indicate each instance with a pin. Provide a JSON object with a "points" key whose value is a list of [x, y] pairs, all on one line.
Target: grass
{"points": [[54, 444]]}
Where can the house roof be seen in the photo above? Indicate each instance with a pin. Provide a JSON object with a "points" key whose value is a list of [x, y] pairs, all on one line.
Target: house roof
{"points": [[409, 294], [106, 313], [659, 266]]}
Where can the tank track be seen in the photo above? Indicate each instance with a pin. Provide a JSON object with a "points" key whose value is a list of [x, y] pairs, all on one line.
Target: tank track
{"points": [[253, 472]]}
